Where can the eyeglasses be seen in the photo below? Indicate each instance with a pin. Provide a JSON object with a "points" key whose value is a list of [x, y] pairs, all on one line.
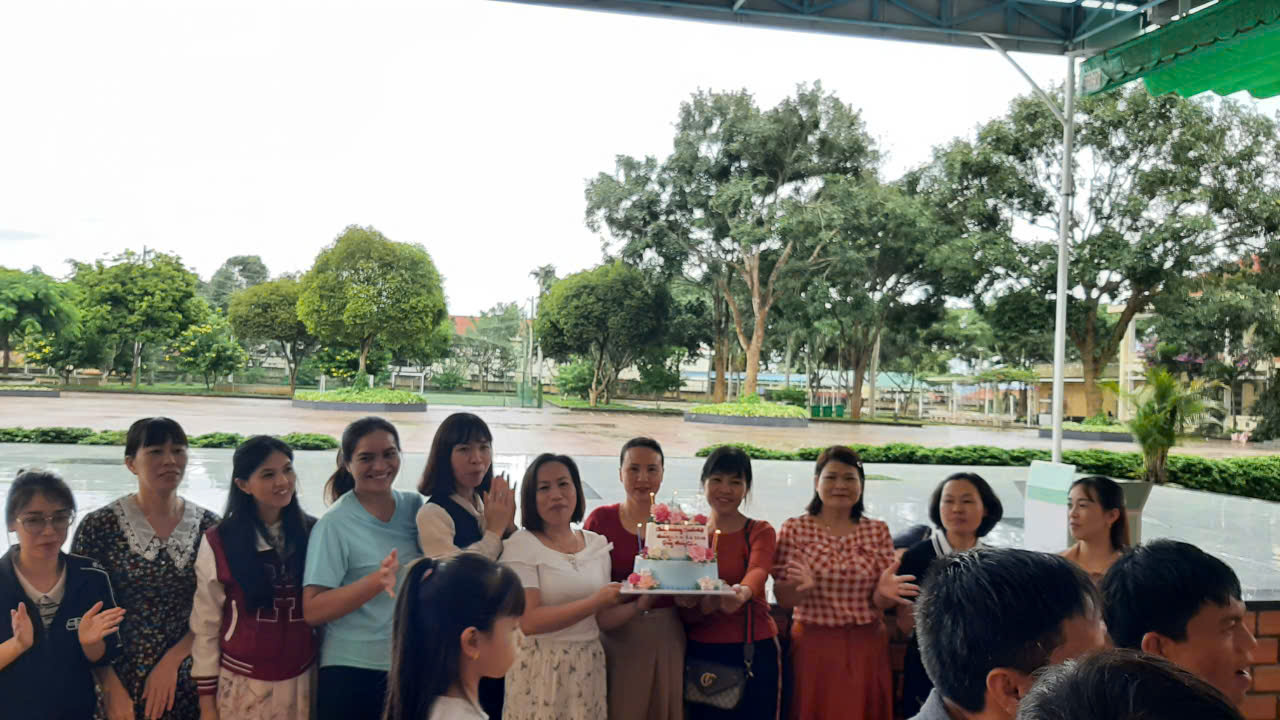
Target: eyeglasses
{"points": [[36, 524]]}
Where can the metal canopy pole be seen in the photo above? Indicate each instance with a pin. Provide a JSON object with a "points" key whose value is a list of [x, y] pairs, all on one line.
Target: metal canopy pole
{"points": [[1066, 191], [1064, 235]]}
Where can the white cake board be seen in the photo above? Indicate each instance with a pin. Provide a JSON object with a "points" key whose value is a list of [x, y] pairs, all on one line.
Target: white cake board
{"points": [[660, 591]]}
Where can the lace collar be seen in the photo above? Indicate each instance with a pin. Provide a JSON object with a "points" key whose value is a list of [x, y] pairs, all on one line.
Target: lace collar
{"points": [[142, 539]]}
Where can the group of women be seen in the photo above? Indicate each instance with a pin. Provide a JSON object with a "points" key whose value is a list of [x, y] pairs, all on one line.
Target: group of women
{"points": [[436, 604]]}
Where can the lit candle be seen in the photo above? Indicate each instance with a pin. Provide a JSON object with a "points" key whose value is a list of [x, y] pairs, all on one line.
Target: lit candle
{"points": [[715, 541]]}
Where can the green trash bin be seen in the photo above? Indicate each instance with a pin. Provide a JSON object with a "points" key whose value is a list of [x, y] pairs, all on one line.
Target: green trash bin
{"points": [[815, 411], [839, 411], [826, 411]]}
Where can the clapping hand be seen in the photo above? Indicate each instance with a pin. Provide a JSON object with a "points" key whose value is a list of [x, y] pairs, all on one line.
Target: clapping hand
{"points": [[96, 624], [799, 574], [388, 572], [499, 506], [898, 589], [23, 631]]}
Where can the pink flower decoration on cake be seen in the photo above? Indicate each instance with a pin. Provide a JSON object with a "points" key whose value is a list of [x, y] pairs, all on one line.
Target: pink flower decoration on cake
{"points": [[708, 584], [678, 517], [643, 580], [699, 553], [700, 519], [662, 513]]}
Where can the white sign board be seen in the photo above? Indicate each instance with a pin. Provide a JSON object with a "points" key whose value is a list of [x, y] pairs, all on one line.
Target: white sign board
{"points": [[1048, 485]]}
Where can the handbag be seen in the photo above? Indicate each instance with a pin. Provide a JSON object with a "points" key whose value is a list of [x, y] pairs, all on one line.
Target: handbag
{"points": [[716, 684]]}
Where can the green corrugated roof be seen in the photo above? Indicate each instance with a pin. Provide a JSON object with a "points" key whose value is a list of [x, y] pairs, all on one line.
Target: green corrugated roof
{"points": [[1228, 47]]}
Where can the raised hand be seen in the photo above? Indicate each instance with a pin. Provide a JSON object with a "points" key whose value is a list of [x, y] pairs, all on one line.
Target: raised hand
{"points": [[96, 624], [895, 588], [23, 631]]}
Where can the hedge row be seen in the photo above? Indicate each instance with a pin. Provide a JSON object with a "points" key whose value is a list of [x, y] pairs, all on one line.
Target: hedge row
{"points": [[361, 395], [1255, 477], [86, 436]]}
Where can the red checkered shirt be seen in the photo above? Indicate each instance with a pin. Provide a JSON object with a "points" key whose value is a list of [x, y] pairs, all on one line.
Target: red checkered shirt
{"points": [[846, 569]]}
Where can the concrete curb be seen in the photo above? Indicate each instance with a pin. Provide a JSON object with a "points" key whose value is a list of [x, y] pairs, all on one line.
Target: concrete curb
{"points": [[750, 421], [360, 407], [1084, 435], [31, 393]]}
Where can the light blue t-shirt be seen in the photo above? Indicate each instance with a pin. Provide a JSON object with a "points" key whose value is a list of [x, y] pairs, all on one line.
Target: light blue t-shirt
{"points": [[346, 544]]}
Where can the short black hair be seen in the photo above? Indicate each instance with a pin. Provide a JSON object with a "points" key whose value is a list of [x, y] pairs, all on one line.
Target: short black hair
{"points": [[529, 517], [848, 456], [994, 608], [152, 431], [728, 460], [641, 442], [28, 484], [1123, 685], [1159, 587], [991, 505]]}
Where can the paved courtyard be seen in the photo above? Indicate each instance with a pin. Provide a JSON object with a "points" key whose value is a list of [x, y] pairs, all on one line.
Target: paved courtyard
{"points": [[518, 430]]}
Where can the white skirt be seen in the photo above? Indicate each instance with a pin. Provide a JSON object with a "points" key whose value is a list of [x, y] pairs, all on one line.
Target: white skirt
{"points": [[244, 698], [557, 681]]}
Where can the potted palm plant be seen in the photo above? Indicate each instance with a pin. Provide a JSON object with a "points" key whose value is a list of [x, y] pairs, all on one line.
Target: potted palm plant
{"points": [[1162, 407]]}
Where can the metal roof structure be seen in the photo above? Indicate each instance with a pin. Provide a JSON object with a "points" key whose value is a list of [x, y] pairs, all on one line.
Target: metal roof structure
{"points": [[1052, 27]]}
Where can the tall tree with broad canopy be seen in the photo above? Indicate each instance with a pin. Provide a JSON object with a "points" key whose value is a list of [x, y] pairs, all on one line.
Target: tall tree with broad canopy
{"points": [[32, 303], [236, 274], [268, 313], [138, 303], [1165, 189], [609, 316], [489, 346], [738, 201], [365, 287]]}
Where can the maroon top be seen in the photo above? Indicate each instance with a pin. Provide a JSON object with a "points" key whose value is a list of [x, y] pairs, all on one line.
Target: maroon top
{"points": [[607, 520]]}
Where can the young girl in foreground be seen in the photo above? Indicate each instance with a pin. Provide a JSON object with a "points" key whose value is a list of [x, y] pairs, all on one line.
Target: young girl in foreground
{"points": [[455, 623]]}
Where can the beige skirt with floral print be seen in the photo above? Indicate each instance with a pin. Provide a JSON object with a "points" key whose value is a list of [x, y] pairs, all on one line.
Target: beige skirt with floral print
{"points": [[557, 681], [244, 698]]}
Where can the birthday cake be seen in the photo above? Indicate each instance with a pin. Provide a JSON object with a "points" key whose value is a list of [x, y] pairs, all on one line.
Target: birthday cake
{"points": [[678, 553]]}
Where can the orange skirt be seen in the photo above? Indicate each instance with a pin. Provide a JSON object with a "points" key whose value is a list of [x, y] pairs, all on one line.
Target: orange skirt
{"points": [[841, 673]]}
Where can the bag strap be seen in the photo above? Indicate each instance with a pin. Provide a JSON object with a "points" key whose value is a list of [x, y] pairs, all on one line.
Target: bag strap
{"points": [[748, 647]]}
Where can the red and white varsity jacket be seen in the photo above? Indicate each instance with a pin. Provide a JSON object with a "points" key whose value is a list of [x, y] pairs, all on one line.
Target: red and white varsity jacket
{"points": [[269, 644]]}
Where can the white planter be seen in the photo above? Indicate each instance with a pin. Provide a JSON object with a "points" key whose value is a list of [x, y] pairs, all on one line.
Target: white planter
{"points": [[1046, 513]]}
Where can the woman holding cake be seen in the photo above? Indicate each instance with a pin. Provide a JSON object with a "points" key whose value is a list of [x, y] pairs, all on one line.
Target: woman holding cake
{"points": [[646, 653], [560, 673], [718, 627], [836, 568]]}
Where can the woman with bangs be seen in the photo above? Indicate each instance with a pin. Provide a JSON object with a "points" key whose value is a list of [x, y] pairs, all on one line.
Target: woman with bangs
{"points": [[467, 508], [147, 543]]}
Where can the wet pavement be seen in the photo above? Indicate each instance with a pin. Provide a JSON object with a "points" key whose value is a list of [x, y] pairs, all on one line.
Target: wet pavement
{"points": [[520, 430], [1245, 533]]}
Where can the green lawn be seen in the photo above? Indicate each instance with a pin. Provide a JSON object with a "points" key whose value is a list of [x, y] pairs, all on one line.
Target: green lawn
{"points": [[573, 403]]}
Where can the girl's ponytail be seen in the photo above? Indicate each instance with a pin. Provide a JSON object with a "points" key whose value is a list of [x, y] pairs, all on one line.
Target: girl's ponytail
{"points": [[411, 685]]}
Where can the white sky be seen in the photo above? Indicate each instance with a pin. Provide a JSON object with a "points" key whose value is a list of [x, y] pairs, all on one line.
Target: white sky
{"points": [[213, 129]]}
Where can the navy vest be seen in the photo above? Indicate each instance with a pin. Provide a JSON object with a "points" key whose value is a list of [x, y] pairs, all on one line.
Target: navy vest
{"points": [[466, 528]]}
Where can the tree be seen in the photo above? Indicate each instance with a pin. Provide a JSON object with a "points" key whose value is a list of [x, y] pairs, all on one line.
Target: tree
{"points": [[134, 303], [430, 349], [609, 316], [236, 274], [545, 276], [268, 313], [687, 332], [31, 303], [208, 350], [489, 346], [739, 199], [365, 288], [1165, 189], [881, 270]]}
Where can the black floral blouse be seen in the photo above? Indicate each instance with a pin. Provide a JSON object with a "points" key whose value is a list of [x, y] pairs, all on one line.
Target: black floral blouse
{"points": [[155, 581]]}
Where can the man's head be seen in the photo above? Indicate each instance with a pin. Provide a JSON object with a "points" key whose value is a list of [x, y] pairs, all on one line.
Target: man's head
{"points": [[989, 618], [1123, 685], [1174, 600]]}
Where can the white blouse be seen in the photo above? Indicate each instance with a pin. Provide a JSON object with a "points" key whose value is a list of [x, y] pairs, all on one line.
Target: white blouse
{"points": [[436, 530], [452, 708], [561, 577]]}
